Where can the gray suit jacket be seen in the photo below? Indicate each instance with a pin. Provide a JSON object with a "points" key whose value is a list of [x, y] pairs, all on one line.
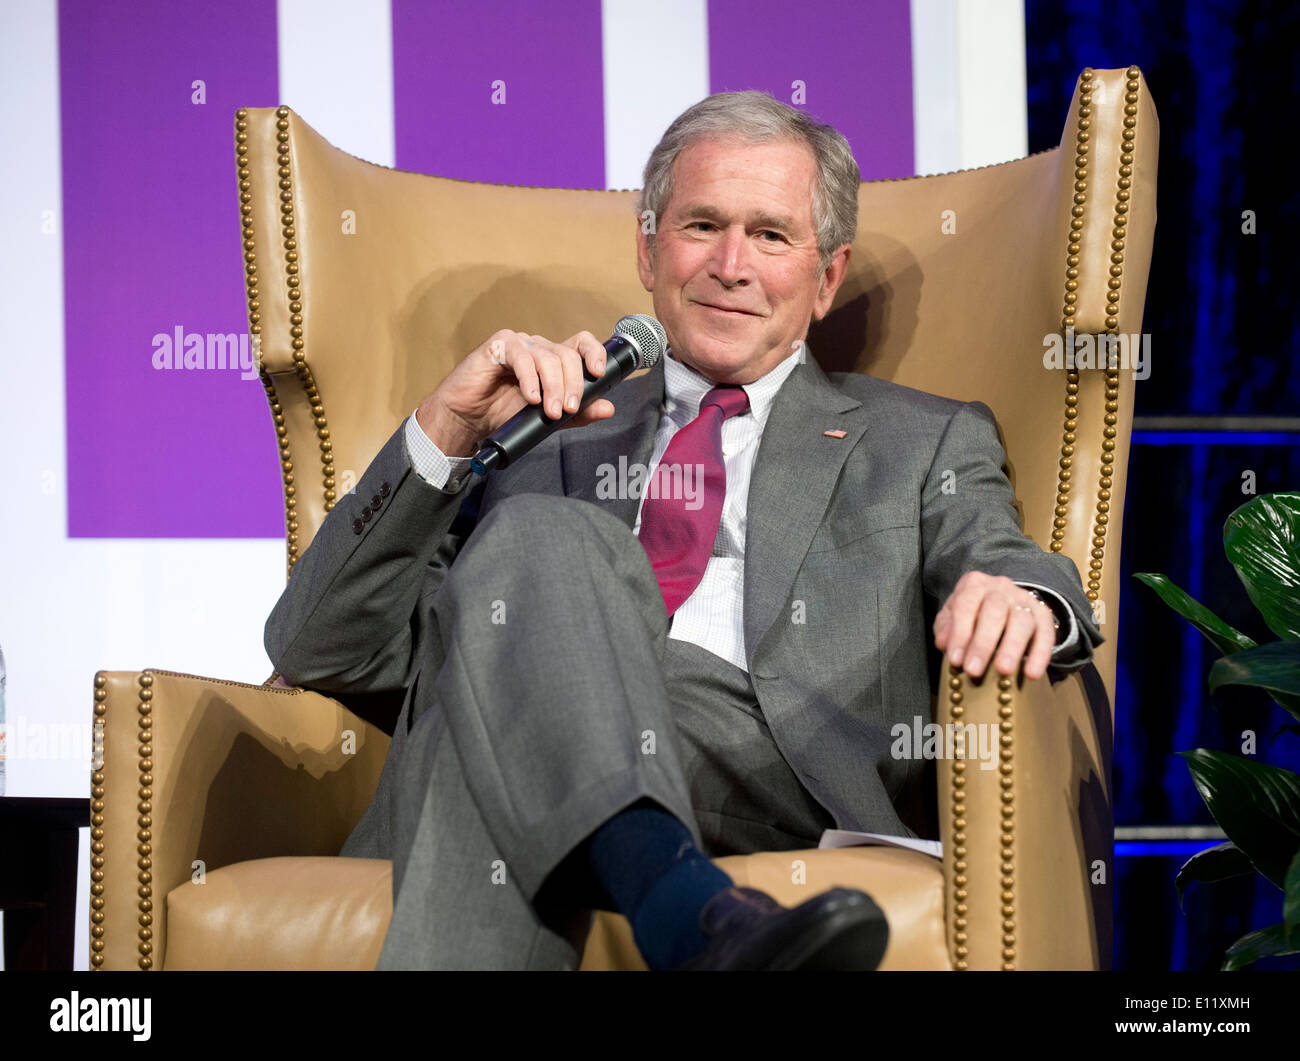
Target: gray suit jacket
{"points": [[851, 545]]}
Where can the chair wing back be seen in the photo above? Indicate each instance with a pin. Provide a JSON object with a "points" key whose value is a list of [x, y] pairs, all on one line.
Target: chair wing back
{"points": [[366, 285]]}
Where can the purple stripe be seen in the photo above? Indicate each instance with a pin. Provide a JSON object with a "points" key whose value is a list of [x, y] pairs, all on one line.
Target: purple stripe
{"points": [[549, 131], [151, 243], [855, 60]]}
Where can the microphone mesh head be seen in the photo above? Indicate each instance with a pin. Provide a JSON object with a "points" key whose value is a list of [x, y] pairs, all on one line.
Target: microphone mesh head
{"points": [[646, 334]]}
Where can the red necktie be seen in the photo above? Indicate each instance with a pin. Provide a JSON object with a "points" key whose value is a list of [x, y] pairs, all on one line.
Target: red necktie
{"points": [[684, 496]]}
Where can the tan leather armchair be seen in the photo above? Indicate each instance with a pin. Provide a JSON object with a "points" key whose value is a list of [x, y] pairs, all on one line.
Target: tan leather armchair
{"points": [[365, 285]]}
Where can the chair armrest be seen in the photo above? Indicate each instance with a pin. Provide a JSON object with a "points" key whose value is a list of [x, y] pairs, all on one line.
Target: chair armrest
{"points": [[1028, 843], [190, 768]]}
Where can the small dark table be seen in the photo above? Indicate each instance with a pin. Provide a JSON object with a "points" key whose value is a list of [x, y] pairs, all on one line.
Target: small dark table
{"points": [[38, 879]]}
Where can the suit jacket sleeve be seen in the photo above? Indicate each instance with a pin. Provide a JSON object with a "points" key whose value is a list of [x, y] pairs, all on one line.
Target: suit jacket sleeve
{"points": [[969, 523], [349, 618]]}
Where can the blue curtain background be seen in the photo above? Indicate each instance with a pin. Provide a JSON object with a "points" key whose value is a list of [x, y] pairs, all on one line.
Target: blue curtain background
{"points": [[1222, 313]]}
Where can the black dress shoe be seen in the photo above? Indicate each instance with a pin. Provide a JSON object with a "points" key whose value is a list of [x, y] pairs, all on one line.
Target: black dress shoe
{"points": [[841, 929]]}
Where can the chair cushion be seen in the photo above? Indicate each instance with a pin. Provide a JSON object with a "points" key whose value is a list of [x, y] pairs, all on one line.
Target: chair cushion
{"points": [[332, 913], [282, 913], [907, 885]]}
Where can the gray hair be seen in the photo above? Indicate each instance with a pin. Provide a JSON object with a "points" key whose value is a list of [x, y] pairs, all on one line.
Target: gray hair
{"points": [[756, 117]]}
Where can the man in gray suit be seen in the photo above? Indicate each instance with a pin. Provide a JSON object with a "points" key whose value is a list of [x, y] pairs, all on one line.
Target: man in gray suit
{"points": [[607, 689]]}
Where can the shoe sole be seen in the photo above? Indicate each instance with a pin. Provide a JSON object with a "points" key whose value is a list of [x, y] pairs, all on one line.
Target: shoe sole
{"points": [[850, 936]]}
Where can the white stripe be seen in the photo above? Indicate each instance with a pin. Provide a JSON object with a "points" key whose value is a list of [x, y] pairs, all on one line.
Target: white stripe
{"points": [[69, 608], [936, 116], [969, 104], [31, 366], [656, 64], [336, 72], [991, 70]]}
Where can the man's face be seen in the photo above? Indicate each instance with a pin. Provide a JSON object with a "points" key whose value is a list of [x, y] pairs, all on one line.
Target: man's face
{"points": [[734, 273]]}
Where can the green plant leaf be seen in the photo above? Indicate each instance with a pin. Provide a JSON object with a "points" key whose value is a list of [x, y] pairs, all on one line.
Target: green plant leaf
{"points": [[1262, 539], [1214, 863], [1257, 805], [1266, 943], [1291, 902], [1225, 638], [1274, 667]]}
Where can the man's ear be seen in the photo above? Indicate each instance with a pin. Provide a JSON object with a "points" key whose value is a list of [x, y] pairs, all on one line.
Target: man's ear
{"points": [[831, 279], [645, 268]]}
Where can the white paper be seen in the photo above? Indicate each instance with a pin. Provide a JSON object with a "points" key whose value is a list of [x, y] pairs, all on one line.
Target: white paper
{"points": [[845, 838]]}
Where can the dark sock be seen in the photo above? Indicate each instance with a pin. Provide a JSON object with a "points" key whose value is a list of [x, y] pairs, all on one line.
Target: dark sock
{"points": [[658, 879]]}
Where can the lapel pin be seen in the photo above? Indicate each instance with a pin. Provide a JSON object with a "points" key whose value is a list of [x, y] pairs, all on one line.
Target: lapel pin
{"points": [[837, 433]]}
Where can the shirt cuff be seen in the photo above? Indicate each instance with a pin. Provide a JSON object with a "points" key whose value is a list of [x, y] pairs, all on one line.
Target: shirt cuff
{"points": [[448, 474], [1067, 634]]}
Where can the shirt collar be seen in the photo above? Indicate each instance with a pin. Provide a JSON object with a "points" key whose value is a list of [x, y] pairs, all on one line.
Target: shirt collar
{"points": [[684, 388]]}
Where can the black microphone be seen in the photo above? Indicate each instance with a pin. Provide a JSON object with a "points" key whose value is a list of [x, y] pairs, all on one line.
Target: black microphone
{"points": [[638, 342]]}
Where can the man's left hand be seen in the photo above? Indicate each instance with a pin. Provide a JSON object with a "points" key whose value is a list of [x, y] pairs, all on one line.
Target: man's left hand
{"points": [[990, 612]]}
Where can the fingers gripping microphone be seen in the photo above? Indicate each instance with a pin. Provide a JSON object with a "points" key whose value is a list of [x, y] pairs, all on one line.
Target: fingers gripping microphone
{"points": [[638, 342]]}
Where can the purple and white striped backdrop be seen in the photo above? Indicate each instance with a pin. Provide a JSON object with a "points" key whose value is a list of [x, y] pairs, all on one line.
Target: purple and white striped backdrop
{"points": [[151, 246]]}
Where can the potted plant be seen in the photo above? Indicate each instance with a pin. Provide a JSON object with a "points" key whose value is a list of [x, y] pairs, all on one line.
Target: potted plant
{"points": [[1256, 805]]}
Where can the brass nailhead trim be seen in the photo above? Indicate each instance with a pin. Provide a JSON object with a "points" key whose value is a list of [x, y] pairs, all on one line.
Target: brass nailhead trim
{"points": [[144, 819], [294, 281], [255, 329], [224, 681], [1005, 699], [293, 278], [97, 943], [960, 938], [1060, 521], [1101, 515], [144, 822]]}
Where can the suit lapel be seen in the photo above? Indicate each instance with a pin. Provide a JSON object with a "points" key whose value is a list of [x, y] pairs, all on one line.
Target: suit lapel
{"points": [[630, 431], [790, 488], [793, 479]]}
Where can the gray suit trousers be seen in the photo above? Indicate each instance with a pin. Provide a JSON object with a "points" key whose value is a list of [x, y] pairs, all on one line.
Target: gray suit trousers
{"points": [[559, 700]]}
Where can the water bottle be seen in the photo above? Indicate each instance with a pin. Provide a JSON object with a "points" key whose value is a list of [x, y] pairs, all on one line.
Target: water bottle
{"points": [[2, 722]]}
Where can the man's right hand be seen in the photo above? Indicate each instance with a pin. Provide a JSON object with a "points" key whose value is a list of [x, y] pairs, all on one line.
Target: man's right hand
{"points": [[511, 370]]}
